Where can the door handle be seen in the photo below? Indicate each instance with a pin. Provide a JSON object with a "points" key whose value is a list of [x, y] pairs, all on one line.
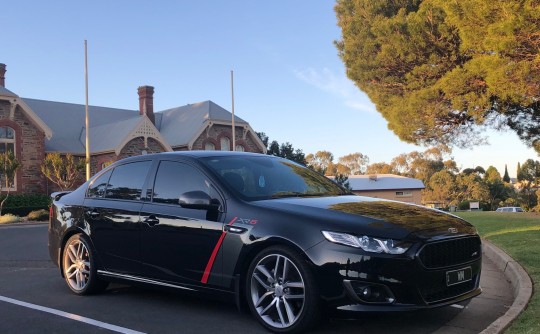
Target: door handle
{"points": [[235, 229], [151, 220], [92, 214]]}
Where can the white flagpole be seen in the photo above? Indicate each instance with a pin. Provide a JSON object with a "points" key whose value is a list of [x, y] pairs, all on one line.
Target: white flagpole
{"points": [[86, 111], [233, 128]]}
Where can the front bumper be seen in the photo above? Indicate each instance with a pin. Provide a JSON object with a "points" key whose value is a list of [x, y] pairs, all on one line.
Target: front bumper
{"points": [[408, 284]]}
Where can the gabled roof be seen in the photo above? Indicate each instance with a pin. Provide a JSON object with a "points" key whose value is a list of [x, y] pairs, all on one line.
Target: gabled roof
{"points": [[383, 182], [192, 118], [109, 127], [124, 131]]}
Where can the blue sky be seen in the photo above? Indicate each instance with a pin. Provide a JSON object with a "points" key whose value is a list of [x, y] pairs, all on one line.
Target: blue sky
{"points": [[288, 79]]}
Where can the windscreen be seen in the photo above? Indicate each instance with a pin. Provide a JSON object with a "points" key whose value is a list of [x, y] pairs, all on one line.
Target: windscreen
{"points": [[265, 177]]}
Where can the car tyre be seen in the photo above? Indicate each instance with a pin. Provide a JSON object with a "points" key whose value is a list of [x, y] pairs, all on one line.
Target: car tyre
{"points": [[79, 266], [281, 291]]}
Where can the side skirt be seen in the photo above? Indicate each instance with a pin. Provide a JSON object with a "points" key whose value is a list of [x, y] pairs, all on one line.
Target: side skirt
{"points": [[142, 280]]}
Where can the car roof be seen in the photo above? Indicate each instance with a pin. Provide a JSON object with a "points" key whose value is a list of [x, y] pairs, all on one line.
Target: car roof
{"points": [[192, 155]]}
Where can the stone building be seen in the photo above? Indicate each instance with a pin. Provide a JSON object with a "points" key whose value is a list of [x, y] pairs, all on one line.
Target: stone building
{"points": [[32, 128]]}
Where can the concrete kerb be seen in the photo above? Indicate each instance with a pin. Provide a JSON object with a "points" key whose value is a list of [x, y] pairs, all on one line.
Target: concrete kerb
{"points": [[518, 278]]}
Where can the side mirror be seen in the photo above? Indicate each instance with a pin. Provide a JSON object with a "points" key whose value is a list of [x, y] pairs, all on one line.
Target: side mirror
{"points": [[198, 200]]}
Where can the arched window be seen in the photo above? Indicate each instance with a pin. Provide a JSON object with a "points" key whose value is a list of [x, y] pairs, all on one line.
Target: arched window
{"points": [[7, 139], [240, 148], [7, 144], [225, 144], [209, 146]]}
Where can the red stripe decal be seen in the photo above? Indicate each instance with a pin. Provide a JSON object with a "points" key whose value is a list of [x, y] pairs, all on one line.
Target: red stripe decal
{"points": [[210, 263]]}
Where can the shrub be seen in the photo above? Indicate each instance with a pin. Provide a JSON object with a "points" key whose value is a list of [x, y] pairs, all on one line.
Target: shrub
{"points": [[9, 218], [23, 204], [39, 215]]}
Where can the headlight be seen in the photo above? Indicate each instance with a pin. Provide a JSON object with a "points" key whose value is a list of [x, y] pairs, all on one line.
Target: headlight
{"points": [[368, 244]]}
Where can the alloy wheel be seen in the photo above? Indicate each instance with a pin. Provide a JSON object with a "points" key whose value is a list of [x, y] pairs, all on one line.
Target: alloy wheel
{"points": [[77, 265], [277, 291]]}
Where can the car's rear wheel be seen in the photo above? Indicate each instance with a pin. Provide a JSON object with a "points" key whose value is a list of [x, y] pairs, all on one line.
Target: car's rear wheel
{"points": [[79, 267], [281, 291]]}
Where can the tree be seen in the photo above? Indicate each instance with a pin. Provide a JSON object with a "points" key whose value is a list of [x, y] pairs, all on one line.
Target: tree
{"points": [[441, 71], [421, 165], [320, 161], [62, 171], [9, 165], [441, 188], [380, 168], [471, 188], [285, 150], [529, 178], [342, 180], [355, 162], [506, 177], [498, 190]]}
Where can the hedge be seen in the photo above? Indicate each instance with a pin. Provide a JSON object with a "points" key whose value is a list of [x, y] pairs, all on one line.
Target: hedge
{"points": [[22, 205]]}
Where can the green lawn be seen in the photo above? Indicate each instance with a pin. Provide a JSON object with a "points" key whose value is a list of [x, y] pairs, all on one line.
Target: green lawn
{"points": [[518, 234]]}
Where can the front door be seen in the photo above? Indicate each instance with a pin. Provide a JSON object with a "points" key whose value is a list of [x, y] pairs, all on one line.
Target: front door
{"points": [[177, 244]]}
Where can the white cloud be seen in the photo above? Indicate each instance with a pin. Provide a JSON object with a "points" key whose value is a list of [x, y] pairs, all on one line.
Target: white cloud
{"points": [[338, 85]]}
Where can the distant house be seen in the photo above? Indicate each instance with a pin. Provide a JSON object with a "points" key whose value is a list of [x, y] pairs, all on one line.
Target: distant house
{"points": [[388, 186], [31, 128]]}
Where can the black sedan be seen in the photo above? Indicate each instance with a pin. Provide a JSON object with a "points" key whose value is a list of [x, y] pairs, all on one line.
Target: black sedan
{"points": [[263, 231]]}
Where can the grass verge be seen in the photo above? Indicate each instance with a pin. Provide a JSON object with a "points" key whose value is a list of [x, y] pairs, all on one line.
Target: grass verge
{"points": [[518, 234]]}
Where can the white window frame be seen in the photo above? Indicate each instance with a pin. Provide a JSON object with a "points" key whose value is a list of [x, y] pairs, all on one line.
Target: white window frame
{"points": [[6, 140], [227, 146]]}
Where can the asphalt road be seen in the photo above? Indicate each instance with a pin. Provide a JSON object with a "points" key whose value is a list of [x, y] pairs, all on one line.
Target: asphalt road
{"points": [[35, 299]]}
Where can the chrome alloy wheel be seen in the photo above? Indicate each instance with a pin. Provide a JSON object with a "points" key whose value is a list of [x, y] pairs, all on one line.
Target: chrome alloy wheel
{"points": [[77, 265], [277, 291]]}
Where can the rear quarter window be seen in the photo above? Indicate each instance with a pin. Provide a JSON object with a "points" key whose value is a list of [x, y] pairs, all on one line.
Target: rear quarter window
{"points": [[127, 180]]}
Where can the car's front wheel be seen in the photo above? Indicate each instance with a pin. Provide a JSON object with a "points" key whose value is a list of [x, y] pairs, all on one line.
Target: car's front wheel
{"points": [[281, 291], [79, 265]]}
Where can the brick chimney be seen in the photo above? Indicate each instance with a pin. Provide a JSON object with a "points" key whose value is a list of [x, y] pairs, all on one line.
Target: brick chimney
{"points": [[2, 75], [146, 102]]}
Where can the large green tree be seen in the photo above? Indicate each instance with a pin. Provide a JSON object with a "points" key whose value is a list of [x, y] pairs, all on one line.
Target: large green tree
{"points": [[440, 71]]}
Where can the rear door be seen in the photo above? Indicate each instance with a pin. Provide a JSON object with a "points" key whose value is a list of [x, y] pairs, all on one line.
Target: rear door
{"points": [[178, 243], [112, 210]]}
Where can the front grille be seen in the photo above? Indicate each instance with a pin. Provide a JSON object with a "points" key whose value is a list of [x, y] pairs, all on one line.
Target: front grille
{"points": [[441, 292], [450, 252]]}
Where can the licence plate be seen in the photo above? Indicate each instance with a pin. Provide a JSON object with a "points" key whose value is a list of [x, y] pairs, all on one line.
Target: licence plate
{"points": [[462, 275]]}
